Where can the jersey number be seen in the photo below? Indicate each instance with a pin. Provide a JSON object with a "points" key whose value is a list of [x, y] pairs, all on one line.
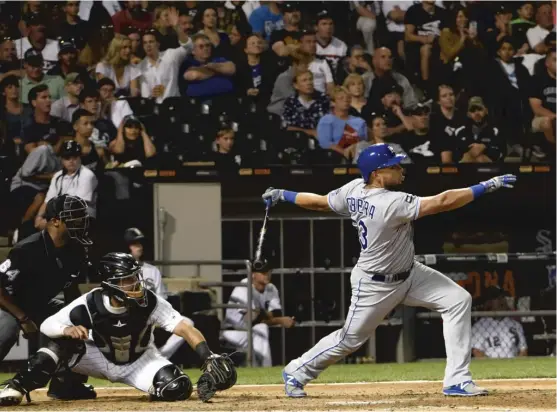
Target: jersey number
{"points": [[362, 234], [494, 342]]}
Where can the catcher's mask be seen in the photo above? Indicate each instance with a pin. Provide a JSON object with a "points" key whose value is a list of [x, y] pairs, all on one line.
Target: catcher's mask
{"points": [[123, 279], [72, 210]]}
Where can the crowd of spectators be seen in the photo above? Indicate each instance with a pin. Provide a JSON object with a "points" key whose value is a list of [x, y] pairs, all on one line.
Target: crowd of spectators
{"points": [[267, 82]]}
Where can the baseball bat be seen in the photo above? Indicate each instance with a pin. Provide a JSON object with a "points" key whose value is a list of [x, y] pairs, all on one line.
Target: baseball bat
{"points": [[258, 262]]}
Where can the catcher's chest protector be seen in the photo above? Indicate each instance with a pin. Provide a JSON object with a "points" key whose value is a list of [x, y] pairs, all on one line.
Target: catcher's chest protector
{"points": [[122, 338]]}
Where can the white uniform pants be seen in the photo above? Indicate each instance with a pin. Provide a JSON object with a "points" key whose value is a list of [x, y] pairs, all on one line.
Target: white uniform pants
{"points": [[261, 346], [138, 374], [372, 301]]}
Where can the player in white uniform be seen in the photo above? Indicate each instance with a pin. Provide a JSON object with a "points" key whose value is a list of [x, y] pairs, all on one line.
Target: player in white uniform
{"points": [[108, 333], [152, 277], [267, 310], [386, 273], [497, 337]]}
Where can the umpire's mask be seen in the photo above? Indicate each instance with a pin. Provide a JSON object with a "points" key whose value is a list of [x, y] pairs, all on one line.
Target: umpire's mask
{"points": [[72, 210]]}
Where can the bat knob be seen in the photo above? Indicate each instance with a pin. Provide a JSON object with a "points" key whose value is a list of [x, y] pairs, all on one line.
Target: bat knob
{"points": [[260, 265]]}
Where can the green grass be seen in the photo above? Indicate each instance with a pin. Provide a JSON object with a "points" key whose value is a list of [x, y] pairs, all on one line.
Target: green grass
{"points": [[426, 370]]}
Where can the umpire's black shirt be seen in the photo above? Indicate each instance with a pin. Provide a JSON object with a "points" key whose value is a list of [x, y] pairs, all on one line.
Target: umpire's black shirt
{"points": [[36, 271]]}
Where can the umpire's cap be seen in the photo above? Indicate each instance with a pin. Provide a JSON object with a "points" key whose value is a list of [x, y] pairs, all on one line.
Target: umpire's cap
{"points": [[377, 156], [133, 235]]}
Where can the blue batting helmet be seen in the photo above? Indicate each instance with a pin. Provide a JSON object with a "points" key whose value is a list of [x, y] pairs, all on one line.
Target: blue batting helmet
{"points": [[377, 156]]}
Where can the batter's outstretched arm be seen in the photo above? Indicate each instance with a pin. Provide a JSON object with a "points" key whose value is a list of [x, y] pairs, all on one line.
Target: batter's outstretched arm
{"points": [[457, 198], [310, 201]]}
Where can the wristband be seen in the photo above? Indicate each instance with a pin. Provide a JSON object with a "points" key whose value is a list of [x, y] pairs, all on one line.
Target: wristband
{"points": [[203, 351], [289, 196], [478, 190]]}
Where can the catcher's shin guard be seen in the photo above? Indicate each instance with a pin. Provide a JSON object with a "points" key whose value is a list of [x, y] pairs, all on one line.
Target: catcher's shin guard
{"points": [[171, 384]]}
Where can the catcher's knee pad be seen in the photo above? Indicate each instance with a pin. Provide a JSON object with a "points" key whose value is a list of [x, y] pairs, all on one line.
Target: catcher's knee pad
{"points": [[40, 367], [171, 384], [68, 351]]}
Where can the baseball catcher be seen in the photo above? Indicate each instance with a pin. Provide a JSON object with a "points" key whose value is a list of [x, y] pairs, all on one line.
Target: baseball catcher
{"points": [[108, 333]]}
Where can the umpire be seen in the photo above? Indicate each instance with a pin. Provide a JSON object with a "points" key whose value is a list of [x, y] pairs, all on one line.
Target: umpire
{"points": [[38, 268]]}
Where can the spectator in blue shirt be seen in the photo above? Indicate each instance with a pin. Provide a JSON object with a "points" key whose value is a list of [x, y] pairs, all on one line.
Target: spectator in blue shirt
{"points": [[206, 76], [338, 130], [266, 19], [306, 107]]}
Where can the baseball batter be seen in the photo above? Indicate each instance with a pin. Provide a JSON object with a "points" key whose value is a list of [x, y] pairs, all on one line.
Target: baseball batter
{"points": [[108, 333], [386, 273]]}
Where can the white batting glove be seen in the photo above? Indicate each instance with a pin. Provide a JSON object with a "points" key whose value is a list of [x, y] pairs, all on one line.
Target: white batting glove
{"points": [[498, 182]]}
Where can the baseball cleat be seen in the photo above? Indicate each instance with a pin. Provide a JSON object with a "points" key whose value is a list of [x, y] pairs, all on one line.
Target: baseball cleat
{"points": [[292, 387], [468, 388], [10, 395]]}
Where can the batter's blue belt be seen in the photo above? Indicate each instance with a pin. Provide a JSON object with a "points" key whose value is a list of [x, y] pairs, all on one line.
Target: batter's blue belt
{"points": [[399, 277]]}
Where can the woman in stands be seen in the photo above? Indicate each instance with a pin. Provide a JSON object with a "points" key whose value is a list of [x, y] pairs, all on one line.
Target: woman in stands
{"points": [[354, 83], [117, 67], [219, 39], [132, 144]]}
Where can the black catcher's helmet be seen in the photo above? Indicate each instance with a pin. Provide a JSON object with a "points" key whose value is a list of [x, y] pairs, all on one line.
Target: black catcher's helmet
{"points": [[122, 278], [72, 210]]}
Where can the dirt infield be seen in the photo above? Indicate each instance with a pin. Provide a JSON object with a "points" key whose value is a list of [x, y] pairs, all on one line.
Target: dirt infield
{"points": [[505, 395]]}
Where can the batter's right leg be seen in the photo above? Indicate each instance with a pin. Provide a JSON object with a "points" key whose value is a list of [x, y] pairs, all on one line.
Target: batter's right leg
{"points": [[371, 302], [9, 333]]}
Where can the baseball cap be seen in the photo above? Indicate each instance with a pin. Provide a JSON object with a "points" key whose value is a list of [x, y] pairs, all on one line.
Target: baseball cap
{"points": [[502, 9], [265, 266], [290, 7], [66, 45], [420, 109], [322, 15], [133, 235], [33, 58], [386, 88], [131, 121], [476, 101], [70, 148], [72, 78]]}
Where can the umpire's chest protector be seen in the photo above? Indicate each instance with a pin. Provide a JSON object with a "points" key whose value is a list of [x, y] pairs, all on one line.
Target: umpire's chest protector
{"points": [[122, 338]]}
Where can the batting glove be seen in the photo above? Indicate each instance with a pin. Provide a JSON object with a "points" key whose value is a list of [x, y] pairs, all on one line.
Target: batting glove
{"points": [[272, 196], [498, 182]]}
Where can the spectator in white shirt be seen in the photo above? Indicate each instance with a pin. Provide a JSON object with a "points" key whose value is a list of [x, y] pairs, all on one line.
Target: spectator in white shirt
{"points": [[112, 108], [66, 106], [394, 12], [322, 75], [537, 35], [159, 70], [36, 39], [329, 47], [74, 179], [117, 67], [366, 22]]}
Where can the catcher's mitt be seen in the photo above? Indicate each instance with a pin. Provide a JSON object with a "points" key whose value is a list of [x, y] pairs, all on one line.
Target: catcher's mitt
{"points": [[219, 374]]}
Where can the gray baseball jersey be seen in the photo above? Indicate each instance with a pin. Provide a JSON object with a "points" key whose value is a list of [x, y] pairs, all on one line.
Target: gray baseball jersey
{"points": [[383, 219]]}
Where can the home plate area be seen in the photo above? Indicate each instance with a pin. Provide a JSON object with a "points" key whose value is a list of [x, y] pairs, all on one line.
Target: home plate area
{"points": [[505, 395]]}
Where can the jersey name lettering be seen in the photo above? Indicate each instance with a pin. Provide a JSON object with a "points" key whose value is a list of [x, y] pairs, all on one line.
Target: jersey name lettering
{"points": [[357, 205]]}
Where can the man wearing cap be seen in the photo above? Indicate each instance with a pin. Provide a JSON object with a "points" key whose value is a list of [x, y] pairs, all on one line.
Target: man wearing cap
{"points": [[65, 107], [135, 239], [67, 62], [479, 141], [267, 311], [34, 76], [39, 268], [42, 126], [285, 40], [329, 47], [73, 179], [497, 337], [422, 146], [36, 40]]}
